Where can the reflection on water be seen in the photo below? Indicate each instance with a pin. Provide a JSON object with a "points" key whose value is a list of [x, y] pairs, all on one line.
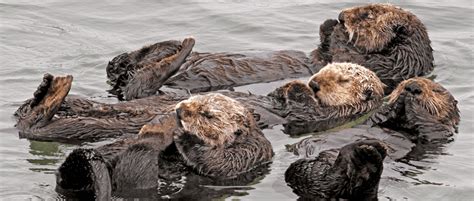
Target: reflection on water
{"points": [[79, 37], [49, 152]]}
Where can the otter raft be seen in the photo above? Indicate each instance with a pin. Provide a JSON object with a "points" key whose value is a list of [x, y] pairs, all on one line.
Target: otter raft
{"points": [[236, 100]]}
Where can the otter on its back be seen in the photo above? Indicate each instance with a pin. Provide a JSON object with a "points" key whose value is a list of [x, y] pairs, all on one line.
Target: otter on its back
{"points": [[211, 135], [422, 108], [218, 136], [390, 41], [424, 112], [337, 94]]}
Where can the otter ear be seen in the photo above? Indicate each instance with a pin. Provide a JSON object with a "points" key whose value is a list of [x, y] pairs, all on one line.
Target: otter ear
{"points": [[367, 95]]}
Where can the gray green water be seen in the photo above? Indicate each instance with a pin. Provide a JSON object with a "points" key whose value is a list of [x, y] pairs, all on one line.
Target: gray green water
{"points": [[80, 37]]}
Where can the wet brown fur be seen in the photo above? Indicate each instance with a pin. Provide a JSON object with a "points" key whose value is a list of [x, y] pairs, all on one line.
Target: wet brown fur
{"points": [[388, 40], [434, 98], [48, 97], [88, 120], [372, 27]]}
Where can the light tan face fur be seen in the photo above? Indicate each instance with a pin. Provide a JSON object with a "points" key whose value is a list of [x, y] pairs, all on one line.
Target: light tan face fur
{"points": [[373, 26], [433, 97], [214, 118], [346, 84]]}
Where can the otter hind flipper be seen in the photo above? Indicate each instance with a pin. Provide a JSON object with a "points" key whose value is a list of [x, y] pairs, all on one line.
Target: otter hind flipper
{"points": [[84, 175], [38, 111], [148, 80], [121, 67]]}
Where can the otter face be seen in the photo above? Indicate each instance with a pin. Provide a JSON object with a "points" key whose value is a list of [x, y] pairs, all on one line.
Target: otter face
{"points": [[340, 84], [375, 25], [428, 96], [214, 118]]}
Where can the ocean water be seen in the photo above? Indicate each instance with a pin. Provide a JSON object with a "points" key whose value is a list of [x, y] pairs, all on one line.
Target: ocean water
{"points": [[80, 37]]}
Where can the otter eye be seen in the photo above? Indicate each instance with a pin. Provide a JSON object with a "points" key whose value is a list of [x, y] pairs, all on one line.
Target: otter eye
{"points": [[207, 114], [364, 16], [342, 81], [437, 90]]}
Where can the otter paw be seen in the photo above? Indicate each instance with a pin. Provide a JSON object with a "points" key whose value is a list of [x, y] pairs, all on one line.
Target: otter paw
{"points": [[42, 89], [371, 150], [52, 91], [328, 26], [188, 43], [47, 100]]}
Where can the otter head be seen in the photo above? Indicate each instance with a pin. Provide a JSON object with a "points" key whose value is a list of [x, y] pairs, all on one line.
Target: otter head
{"points": [[346, 84], [373, 27], [214, 118], [426, 100]]}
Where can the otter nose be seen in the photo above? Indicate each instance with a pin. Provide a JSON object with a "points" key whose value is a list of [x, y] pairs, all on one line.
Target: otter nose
{"points": [[314, 86], [414, 88], [341, 18]]}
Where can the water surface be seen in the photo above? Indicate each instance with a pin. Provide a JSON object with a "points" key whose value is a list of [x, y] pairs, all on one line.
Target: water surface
{"points": [[80, 37]]}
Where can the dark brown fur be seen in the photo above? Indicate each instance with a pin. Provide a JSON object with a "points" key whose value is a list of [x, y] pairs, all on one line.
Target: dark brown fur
{"points": [[163, 151], [293, 105], [423, 113], [201, 72], [351, 172], [390, 41], [421, 107], [386, 39], [149, 79]]}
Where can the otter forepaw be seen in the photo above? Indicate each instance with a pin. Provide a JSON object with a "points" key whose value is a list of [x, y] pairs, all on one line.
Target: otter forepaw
{"points": [[371, 150], [328, 26], [188, 43]]}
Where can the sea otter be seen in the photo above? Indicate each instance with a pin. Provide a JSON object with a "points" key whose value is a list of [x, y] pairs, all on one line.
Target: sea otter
{"points": [[142, 72], [386, 39], [210, 135], [420, 116], [339, 93]]}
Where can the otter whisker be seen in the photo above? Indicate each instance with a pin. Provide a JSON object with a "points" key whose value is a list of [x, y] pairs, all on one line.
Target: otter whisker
{"points": [[188, 92], [357, 39], [351, 35]]}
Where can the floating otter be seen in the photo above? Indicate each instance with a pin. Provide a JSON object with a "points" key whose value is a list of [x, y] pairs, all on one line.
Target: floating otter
{"points": [[142, 72], [332, 99], [423, 113], [388, 40], [210, 135]]}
